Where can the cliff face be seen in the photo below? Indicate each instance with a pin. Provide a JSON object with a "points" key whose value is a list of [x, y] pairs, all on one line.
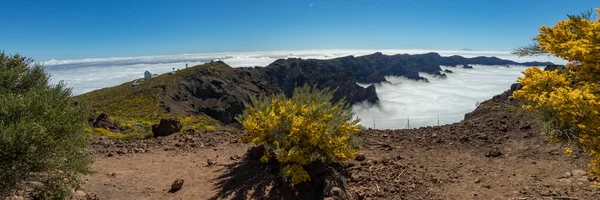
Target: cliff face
{"points": [[220, 91]]}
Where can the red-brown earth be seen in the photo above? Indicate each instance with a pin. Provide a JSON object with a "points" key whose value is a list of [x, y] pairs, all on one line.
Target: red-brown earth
{"points": [[495, 153]]}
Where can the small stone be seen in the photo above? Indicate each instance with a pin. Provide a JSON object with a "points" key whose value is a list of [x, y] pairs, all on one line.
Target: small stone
{"points": [[336, 191], [92, 196], [234, 157], [477, 180], [79, 194], [504, 128], [210, 162], [354, 177], [360, 157], [565, 175], [527, 126], [138, 150], [493, 153], [578, 173], [15, 197], [360, 194], [176, 185], [583, 179]]}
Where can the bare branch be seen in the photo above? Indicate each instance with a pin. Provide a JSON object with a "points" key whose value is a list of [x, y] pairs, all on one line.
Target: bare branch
{"points": [[530, 50]]}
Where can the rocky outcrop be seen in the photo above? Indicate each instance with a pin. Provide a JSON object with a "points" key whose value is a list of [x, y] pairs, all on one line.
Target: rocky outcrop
{"points": [[103, 121], [554, 67], [467, 66], [218, 91], [166, 127], [221, 92], [286, 75]]}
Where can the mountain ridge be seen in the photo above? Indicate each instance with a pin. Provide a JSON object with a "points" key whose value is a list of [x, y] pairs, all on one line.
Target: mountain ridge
{"points": [[221, 91]]}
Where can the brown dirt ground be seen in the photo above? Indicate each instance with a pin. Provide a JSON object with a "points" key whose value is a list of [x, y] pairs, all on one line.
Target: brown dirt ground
{"points": [[493, 154]]}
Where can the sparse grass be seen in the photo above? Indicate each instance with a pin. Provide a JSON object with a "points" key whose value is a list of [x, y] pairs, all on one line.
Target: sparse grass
{"points": [[137, 108]]}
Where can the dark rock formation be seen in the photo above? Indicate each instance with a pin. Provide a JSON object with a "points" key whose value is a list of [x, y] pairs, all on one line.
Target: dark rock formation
{"points": [[166, 127], [467, 66], [285, 75], [554, 67], [103, 121], [219, 91], [505, 96], [448, 71]]}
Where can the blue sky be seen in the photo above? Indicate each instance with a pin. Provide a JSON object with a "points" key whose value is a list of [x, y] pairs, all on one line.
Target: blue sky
{"points": [[74, 29]]}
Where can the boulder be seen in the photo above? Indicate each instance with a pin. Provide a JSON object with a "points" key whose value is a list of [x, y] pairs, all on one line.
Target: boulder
{"points": [[103, 121], [166, 127]]}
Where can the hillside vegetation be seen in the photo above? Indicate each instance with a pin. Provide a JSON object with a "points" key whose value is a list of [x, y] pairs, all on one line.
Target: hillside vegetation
{"points": [[43, 148], [136, 108]]}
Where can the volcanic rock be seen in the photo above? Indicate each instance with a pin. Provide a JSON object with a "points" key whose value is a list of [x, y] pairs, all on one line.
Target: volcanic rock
{"points": [[102, 121], [176, 185], [166, 127]]}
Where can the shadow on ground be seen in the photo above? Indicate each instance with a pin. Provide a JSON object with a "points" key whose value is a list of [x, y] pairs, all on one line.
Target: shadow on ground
{"points": [[252, 179]]}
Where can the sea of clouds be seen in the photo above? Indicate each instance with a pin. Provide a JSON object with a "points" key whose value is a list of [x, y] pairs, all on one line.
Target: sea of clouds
{"points": [[409, 103], [401, 99]]}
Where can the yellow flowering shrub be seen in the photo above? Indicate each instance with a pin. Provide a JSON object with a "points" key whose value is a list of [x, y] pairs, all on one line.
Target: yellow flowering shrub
{"points": [[570, 98], [306, 128]]}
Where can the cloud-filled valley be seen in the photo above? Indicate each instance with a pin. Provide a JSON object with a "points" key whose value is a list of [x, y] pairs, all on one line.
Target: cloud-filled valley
{"points": [[416, 103]]}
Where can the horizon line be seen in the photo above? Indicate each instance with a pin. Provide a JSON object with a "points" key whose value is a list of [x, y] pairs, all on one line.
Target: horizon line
{"points": [[53, 62]]}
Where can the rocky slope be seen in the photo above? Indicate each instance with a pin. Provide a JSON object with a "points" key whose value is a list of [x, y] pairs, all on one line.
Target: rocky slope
{"points": [[220, 91]]}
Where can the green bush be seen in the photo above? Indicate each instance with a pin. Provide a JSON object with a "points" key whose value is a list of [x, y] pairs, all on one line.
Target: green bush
{"points": [[42, 141]]}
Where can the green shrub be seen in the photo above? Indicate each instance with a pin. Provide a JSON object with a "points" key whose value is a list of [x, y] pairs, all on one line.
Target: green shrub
{"points": [[41, 132], [301, 130]]}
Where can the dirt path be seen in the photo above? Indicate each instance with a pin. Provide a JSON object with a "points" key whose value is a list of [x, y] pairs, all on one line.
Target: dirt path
{"points": [[149, 175], [445, 172], [494, 154]]}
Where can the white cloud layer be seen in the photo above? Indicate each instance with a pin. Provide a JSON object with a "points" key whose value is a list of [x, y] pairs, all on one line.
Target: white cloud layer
{"points": [[450, 98], [417, 103]]}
